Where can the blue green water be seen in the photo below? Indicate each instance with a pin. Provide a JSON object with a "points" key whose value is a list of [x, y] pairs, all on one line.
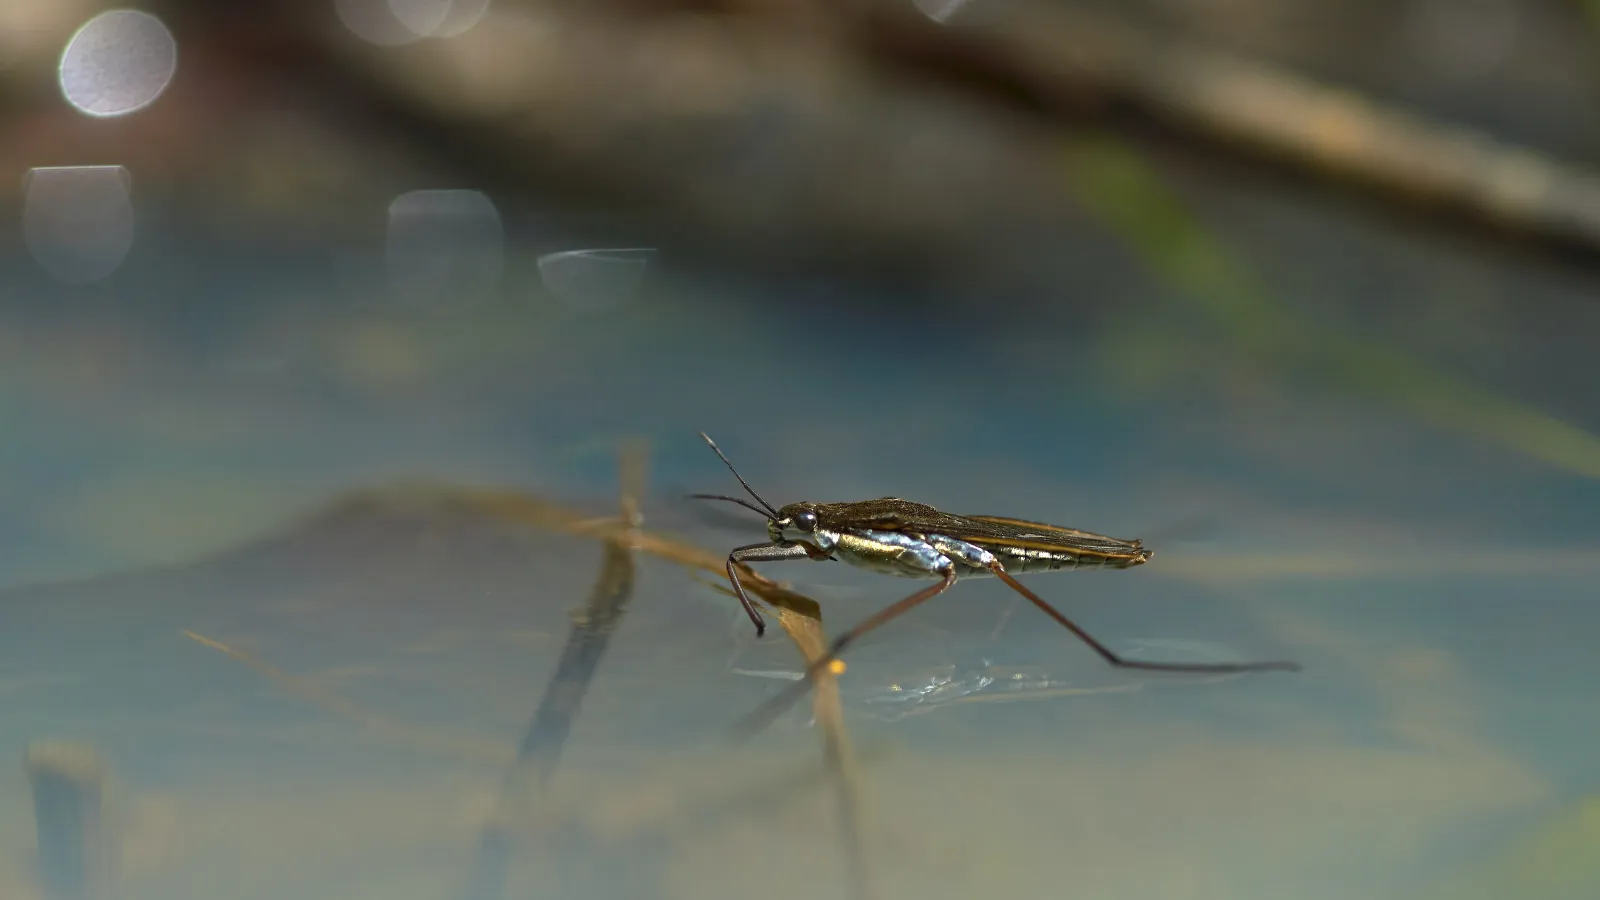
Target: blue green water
{"points": [[1438, 587]]}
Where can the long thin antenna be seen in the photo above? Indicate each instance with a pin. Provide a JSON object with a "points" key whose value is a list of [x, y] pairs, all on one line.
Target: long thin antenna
{"points": [[739, 500], [717, 450]]}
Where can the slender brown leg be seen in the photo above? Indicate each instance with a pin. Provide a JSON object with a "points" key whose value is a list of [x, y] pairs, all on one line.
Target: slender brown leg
{"points": [[764, 714], [1112, 658]]}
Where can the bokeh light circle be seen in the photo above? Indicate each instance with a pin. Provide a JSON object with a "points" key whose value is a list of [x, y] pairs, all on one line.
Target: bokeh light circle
{"points": [[939, 10], [445, 248], [118, 62], [392, 23], [77, 221]]}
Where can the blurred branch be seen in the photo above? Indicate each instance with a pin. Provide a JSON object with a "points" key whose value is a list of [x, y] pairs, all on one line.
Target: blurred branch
{"points": [[1268, 112], [806, 132], [1177, 246]]}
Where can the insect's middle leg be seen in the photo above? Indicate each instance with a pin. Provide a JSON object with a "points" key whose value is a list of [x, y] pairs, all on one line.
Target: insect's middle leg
{"points": [[764, 714]]}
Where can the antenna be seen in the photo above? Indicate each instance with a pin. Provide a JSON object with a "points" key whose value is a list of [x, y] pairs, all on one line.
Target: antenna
{"points": [[717, 450]]}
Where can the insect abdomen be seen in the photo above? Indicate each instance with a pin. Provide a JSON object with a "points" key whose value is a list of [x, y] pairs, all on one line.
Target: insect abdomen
{"points": [[1027, 561]]}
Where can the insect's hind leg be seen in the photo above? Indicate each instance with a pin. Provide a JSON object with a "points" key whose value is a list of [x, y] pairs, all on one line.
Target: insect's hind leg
{"points": [[1111, 657]]}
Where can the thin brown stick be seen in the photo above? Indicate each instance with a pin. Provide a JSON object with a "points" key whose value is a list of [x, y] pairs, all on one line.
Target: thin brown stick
{"points": [[448, 742], [515, 506], [1256, 109], [838, 754]]}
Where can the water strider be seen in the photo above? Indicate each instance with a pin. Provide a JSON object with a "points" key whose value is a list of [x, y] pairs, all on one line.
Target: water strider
{"points": [[914, 540]]}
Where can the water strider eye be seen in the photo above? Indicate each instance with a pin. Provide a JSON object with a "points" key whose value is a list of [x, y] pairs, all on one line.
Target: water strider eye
{"points": [[806, 521]]}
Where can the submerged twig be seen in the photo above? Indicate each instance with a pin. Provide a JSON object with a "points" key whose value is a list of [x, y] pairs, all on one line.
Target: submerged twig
{"points": [[801, 619], [551, 725], [77, 855], [540, 747], [766, 793], [443, 741], [591, 629], [514, 506], [709, 806], [839, 756]]}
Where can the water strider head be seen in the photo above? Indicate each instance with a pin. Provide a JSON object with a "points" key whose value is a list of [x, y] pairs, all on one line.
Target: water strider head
{"points": [[794, 523]]}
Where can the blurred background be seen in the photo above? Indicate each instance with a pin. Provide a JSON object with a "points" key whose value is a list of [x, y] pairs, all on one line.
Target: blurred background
{"points": [[1305, 294]]}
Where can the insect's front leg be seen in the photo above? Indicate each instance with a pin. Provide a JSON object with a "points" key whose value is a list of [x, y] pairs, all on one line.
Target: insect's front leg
{"points": [[760, 553]]}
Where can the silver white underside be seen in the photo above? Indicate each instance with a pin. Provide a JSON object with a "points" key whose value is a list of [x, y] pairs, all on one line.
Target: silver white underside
{"points": [[930, 556]]}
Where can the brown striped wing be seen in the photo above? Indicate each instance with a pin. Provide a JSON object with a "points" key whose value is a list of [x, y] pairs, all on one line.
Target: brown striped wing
{"points": [[895, 514], [1005, 531]]}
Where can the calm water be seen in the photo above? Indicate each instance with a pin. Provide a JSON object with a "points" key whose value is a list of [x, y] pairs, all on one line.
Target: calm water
{"points": [[169, 428]]}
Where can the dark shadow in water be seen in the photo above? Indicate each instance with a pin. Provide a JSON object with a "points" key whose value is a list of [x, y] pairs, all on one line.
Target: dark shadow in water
{"points": [[547, 732]]}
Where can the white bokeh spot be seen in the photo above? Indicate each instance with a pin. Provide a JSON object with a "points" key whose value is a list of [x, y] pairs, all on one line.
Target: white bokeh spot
{"points": [[392, 23], [939, 10], [445, 248], [118, 62], [78, 220]]}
